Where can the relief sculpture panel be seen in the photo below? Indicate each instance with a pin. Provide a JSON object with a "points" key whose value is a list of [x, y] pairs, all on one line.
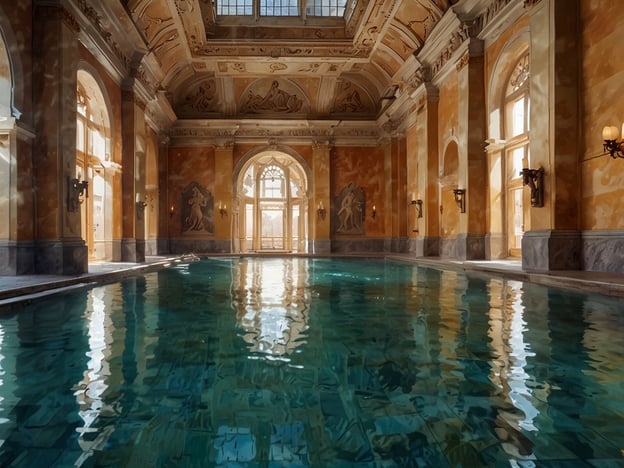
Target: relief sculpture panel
{"points": [[273, 97]]}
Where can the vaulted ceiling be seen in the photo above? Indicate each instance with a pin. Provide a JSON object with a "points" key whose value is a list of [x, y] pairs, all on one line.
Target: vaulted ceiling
{"points": [[203, 75], [316, 68]]}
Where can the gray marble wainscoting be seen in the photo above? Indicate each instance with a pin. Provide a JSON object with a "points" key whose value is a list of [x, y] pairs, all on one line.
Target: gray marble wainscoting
{"points": [[319, 246], [133, 250], [551, 250], [61, 256], [17, 257], [470, 247], [495, 246], [183, 246], [425, 246], [603, 250], [448, 247], [357, 245]]}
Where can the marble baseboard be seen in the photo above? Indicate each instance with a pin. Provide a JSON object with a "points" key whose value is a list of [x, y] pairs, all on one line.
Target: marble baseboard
{"points": [[61, 257], [551, 250], [603, 250], [17, 258]]}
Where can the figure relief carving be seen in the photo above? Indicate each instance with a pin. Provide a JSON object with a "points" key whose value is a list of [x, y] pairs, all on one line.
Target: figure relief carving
{"points": [[349, 211], [274, 100], [350, 99], [201, 100], [197, 209]]}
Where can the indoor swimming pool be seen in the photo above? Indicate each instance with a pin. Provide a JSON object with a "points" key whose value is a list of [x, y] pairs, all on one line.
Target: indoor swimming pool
{"points": [[287, 362]]}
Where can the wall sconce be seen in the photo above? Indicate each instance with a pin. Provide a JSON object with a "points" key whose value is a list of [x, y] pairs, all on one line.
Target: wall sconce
{"points": [[321, 211], [75, 190], [460, 199], [534, 178], [374, 213], [140, 207], [139, 203], [171, 211], [418, 204], [611, 145], [222, 209]]}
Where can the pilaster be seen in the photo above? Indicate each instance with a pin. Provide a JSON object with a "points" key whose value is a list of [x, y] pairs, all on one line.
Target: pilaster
{"points": [[427, 228], [472, 158], [554, 84], [59, 248], [224, 166], [133, 177], [321, 199]]}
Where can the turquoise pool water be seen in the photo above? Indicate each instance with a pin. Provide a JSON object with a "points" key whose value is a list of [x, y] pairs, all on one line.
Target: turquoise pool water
{"points": [[313, 362]]}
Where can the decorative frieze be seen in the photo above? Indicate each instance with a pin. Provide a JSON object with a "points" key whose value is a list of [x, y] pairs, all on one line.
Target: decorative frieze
{"points": [[251, 130], [462, 62], [243, 50]]}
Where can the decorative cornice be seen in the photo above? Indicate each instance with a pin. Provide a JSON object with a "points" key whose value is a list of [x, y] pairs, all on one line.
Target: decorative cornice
{"points": [[530, 3], [299, 132], [59, 13], [96, 20]]}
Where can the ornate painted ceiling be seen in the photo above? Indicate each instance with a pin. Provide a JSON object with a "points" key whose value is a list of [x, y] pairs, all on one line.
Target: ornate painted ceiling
{"points": [[194, 66]]}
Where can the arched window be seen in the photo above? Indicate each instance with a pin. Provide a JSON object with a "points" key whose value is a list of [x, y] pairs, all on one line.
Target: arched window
{"points": [[272, 205], [516, 106]]}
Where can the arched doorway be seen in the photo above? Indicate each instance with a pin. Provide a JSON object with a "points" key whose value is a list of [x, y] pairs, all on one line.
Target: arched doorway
{"points": [[271, 192], [94, 164]]}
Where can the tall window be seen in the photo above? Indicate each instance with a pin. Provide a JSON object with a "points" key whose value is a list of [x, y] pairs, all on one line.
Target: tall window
{"points": [[273, 205], [92, 158], [516, 128]]}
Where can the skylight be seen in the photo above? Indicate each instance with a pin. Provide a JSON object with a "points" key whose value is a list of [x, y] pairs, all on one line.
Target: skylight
{"points": [[330, 8]]}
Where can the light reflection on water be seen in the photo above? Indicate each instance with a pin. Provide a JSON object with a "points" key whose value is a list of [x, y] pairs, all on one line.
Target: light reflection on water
{"points": [[312, 362], [271, 300]]}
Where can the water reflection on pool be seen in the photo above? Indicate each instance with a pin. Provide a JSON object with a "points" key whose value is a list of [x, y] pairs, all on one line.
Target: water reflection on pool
{"points": [[313, 362]]}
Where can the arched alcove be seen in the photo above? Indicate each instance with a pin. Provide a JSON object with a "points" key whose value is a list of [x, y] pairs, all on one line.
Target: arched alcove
{"points": [[94, 163], [449, 219]]}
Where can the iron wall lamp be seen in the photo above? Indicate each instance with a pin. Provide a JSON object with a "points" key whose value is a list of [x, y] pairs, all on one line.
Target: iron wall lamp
{"points": [[374, 213], [321, 211], [534, 178], [171, 211], [75, 190], [460, 199], [418, 203], [611, 145]]}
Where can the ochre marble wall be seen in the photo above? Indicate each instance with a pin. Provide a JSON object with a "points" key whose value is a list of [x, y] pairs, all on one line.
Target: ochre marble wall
{"points": [[449, 163], [602, 94]]}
